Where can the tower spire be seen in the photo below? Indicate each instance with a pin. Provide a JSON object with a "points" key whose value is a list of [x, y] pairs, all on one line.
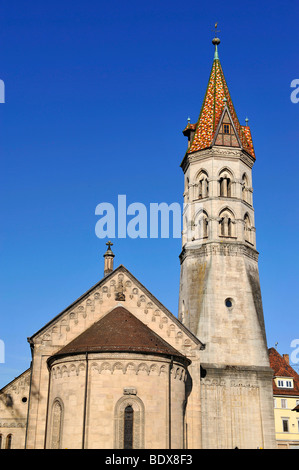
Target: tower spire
{"points": [[217, 96]]}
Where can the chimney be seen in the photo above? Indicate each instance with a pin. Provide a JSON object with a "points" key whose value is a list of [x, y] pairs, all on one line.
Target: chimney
{"points": [[286, 358], [109, 255]]}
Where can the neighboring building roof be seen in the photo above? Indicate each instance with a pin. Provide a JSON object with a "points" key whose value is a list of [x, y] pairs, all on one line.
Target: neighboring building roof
{"points": [[216, 97], [281, 368], [119, 331]]}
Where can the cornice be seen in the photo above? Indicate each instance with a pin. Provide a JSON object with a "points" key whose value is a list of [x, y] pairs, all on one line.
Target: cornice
{"points": [[219, 248], [217, 152]]}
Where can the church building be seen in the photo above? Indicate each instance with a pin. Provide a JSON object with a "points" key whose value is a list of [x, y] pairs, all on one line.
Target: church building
{"points": [[117, 370]]}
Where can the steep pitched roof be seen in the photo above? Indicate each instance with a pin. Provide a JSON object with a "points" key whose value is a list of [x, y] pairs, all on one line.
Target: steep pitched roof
{"points": [[216, 97], [282, 369], [119, 331]]}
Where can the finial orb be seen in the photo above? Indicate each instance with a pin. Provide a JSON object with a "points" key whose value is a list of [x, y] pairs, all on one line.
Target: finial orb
{"points": [[216, 41]]}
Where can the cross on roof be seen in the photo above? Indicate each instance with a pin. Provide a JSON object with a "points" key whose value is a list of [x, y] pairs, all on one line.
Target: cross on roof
{"points": [[216, 24]]}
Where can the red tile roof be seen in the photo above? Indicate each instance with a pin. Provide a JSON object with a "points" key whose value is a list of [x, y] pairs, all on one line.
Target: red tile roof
{"points": [[120, 331], [282, 369], [211, 111]]}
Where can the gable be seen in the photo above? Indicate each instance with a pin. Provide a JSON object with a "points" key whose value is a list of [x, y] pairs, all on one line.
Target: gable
{"points": [[226, 134], [118, 289], [18, 384], [14, 398]]}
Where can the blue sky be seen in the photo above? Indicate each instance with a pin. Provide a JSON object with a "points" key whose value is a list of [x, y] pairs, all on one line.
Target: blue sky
{"points": [[97, 95]]}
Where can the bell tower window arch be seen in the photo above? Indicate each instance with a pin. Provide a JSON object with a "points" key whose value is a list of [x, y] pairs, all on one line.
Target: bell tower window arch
{"points": [[225, 183], [203, 185], [186, 192], [226, 223], [247, 229], [246, 190], [201, 224]]}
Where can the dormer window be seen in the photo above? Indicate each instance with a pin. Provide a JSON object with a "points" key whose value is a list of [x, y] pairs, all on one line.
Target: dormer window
{"points": [[226, 128], [286, 383]]}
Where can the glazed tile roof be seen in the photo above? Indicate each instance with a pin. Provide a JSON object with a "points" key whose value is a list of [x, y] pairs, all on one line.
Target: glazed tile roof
{"points": [[211, 111], [189, 126], [246, 130], [282, 369], [119, 331]]}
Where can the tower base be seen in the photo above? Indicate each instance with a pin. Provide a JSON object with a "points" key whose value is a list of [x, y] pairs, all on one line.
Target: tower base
{"points": [[237, 407]]}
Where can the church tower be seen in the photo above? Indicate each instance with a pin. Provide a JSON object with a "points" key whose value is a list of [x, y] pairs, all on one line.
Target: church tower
{"points": [[220, 298]]}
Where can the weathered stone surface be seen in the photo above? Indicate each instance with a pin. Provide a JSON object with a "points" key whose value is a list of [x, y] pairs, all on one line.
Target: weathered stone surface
{"points": [[220, 300]]}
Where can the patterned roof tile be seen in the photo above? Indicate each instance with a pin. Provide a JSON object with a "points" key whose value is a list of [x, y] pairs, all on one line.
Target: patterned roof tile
{"points": [[217, 95]]}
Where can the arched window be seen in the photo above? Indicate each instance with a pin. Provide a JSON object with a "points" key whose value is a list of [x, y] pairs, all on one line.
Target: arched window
{"points": [[128, 427], [186, 192], [203, 185], [205, 227], [225, 183], [226, 222], [129, 423], [8, 441], [245, 189], [187, 229], [247, 229], [56, 431], [201, 225]]}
